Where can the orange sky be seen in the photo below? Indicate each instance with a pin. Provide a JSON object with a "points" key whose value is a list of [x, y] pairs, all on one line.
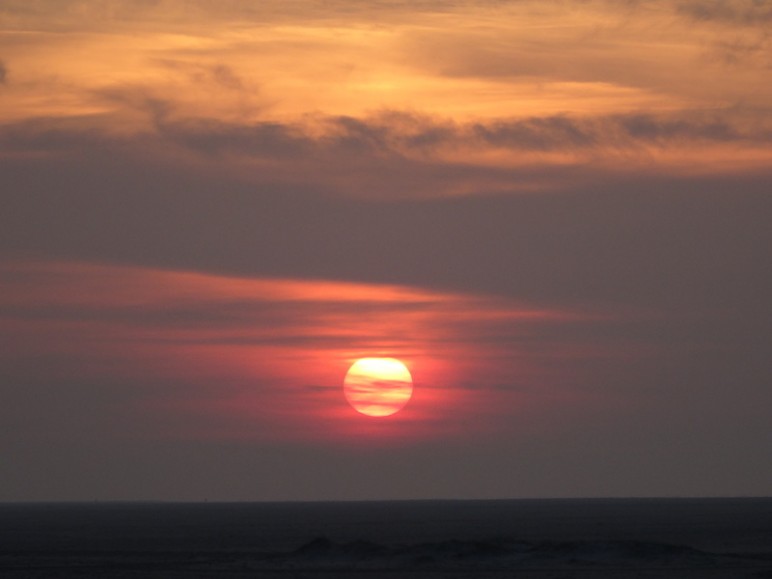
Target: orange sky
{"points": [[662, 86]]}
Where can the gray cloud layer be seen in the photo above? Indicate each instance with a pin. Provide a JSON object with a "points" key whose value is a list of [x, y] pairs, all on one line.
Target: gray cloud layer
{"points": [[628, 238], [402, 133]]}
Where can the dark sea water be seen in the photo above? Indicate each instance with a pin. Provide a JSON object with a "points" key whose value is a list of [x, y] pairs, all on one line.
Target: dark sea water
{"points": [[711, 538]]}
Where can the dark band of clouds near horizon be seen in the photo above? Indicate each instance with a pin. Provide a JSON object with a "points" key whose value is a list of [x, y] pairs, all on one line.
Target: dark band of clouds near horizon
{"points": [[556, 214]]}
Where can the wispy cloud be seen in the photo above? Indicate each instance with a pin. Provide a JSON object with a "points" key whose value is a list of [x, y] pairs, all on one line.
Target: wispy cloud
{"points": [[240, 345], [461, 60], [739, 12], [445, 156]]}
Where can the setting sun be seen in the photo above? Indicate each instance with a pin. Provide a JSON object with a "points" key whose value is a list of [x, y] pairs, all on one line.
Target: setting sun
{"points": [[378, 386]]}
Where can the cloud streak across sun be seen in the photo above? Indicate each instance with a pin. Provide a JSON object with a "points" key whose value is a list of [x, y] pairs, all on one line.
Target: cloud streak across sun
{"points": [[256, 358]]}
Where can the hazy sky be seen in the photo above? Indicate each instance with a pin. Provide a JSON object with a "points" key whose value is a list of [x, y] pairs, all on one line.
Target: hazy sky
{"points": [[556, 214]]}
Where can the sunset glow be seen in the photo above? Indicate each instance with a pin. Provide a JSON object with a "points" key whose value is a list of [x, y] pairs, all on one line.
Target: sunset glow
{"points": [[232, 233], [265, 357]]}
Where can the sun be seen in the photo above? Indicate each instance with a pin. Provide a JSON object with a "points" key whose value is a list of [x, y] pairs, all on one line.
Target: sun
{"points": [[378, 386]]}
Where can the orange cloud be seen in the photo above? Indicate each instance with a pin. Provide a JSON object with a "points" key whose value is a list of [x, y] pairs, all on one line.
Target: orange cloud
{"points": [[456, 99]]}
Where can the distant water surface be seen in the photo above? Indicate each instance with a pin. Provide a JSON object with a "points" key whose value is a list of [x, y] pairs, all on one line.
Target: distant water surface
{"points": [[33, 531]]}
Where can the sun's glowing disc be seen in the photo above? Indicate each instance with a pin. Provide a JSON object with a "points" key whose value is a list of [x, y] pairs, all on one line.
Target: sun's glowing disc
{"points": [[378, 386]]}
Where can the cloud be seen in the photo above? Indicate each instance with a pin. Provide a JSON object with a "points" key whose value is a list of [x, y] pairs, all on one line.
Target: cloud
{"points": [[82, 373], [642, 237], [220, 75], [465, 61], [735, 12], [411, 135], [76, 15], [562, 133], [264, 139], [403, 155], [215, 347]]}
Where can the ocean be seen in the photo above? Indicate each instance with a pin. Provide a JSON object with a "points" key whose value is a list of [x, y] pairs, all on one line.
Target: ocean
{"points": [[561, 538]]}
